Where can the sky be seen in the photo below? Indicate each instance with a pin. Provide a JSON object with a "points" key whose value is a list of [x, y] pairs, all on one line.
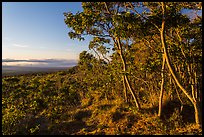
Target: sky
{"points": [[36, 30]]}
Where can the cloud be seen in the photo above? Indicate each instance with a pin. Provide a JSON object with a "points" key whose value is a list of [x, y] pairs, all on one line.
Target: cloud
{"points": [[20, 45], [39, 63], [23, 63]]}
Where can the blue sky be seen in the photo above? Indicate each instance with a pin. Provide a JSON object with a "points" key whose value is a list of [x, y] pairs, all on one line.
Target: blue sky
{"points": [[36, 30]]}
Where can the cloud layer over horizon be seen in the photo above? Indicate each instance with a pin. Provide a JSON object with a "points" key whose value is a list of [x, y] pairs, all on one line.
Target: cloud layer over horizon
{"points": [[39, 63]]}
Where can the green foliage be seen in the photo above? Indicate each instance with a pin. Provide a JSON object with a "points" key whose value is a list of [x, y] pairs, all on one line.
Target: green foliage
{"points": [[41, 95]]}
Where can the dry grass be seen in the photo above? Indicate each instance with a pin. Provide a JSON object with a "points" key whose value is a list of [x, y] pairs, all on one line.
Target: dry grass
{"points": [[114, 117]]}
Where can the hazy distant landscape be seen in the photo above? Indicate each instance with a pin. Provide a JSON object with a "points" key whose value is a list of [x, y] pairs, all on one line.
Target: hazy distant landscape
{"points": [[16, 70], [16, 67]]}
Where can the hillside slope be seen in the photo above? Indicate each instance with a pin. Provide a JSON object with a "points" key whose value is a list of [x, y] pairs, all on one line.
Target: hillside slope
{"points": [[58, 104]]}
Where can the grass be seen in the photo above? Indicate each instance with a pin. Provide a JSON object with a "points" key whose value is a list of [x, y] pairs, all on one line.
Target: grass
{"points": [[116, 118]]}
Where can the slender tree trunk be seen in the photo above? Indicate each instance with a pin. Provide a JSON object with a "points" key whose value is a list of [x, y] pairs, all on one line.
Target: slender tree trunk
{"points": [[198, 117], [162, 88], [178, 97], [163, 41], [196, 86], [125, 75], [125, 89], [133, 94], [168, 61], [119, 47]]}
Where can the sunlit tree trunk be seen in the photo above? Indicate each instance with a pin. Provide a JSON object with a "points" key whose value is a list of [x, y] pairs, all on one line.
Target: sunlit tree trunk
{"points": [[125, 75], [162, 88], [176, 78], [125, 89]]}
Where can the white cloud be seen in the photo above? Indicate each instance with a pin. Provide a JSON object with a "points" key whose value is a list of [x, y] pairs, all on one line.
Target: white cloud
{"points": [[23, 63], [20, 45], [40, 62]]}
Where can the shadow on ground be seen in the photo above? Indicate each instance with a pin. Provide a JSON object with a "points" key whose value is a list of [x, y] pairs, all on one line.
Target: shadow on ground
{"points": [[72, 127], [31, 125], [187, 112], [169, 109]]}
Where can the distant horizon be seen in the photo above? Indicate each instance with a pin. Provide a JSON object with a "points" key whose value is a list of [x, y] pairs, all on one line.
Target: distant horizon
{"points": [[40, 62], [12, 59]]}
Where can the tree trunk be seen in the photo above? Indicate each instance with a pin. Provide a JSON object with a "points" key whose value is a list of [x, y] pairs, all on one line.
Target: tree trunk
{"points": [[181, 108], [125, 89], [125, 75], [133, 94], [162, 88], [197, 113], [173, 73]]}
